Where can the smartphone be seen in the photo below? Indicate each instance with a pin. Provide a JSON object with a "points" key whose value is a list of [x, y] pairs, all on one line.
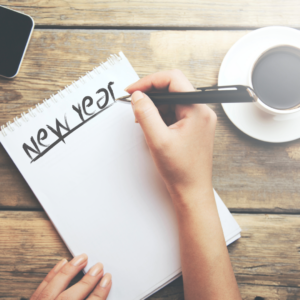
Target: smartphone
{"points": [[15, 32]]}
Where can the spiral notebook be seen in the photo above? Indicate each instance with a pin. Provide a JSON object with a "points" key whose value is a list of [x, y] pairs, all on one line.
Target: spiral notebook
{"points": [[89, 166]]}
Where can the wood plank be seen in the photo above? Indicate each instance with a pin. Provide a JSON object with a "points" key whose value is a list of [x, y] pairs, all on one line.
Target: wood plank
{"points": [[266, 260], [174, 291], [177, 13], [263, 292], [14, 191], [249, 175]]}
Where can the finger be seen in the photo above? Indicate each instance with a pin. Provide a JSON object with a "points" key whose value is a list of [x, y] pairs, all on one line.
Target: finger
{"points": [[188, 111], [173, 81], [147, 115], [48, 278], [62, 279], [101, 291], [164, 109], [200, 116], [169, 118], [84, 287]]}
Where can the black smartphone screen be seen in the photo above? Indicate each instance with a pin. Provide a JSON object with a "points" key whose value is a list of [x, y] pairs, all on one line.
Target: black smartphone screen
{"points": [[15, 31]]}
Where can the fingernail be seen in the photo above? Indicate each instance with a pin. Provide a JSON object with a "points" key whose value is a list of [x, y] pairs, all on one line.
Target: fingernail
{"points": [[59, 265], [96, 269], [136, 96], [78, 260], [105, 280]]}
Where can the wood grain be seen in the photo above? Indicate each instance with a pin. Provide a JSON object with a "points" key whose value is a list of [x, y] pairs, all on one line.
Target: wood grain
{"points": [[155, 13], [266, 260], [248, 174], [263, 292]]}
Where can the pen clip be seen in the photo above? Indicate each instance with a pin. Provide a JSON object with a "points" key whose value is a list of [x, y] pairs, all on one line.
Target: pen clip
{"points": [[240, 88]]}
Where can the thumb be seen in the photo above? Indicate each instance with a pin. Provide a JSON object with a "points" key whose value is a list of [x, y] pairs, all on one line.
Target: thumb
{"points": [[146, 113]]}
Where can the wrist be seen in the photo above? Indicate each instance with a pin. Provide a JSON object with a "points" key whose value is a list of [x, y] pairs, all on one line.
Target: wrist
{"points": [[189, 197]]}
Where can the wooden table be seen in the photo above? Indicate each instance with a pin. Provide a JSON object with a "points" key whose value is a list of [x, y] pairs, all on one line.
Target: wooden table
{"points": [[259, 182]]}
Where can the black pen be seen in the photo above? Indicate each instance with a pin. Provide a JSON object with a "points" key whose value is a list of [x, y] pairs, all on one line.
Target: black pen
{"points": [[218, 94]]}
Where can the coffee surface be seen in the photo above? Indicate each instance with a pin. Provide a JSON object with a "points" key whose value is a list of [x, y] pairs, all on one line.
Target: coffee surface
{"points": [[276, 79]]}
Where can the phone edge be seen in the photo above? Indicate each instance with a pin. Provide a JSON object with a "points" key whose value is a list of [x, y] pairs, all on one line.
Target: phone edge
{"points": [[29, 38]]}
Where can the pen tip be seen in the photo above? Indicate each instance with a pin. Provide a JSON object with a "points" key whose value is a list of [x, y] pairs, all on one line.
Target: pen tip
{"points": [[126, 98]]}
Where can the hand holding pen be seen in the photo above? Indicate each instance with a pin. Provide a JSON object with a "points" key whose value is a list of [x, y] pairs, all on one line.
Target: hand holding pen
{"points": [[183, 154]]}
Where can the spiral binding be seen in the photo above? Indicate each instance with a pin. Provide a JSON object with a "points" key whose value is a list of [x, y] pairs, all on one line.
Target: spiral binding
{"points": [[40, 107]]}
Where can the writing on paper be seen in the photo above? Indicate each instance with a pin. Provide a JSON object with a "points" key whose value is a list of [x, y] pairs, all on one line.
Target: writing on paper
{"points": [[86, 110]]}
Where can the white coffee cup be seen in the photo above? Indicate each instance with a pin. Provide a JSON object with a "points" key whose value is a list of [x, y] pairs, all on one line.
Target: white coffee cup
{"points": [[278, 113]]}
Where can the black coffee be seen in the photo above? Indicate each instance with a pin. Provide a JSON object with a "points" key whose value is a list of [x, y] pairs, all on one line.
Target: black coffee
{"points": [[276, 79]]}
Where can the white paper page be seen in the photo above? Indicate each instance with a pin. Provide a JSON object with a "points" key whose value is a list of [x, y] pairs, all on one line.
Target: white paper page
{"points": [[101, 189], [231, 228], [105, 197]]}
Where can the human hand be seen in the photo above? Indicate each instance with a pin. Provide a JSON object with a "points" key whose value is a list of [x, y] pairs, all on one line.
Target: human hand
{"points": [[182, 151], [55, 284]]}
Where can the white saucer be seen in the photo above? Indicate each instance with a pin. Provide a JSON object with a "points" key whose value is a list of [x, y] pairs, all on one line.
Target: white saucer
{"points": [[235, 70]]}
